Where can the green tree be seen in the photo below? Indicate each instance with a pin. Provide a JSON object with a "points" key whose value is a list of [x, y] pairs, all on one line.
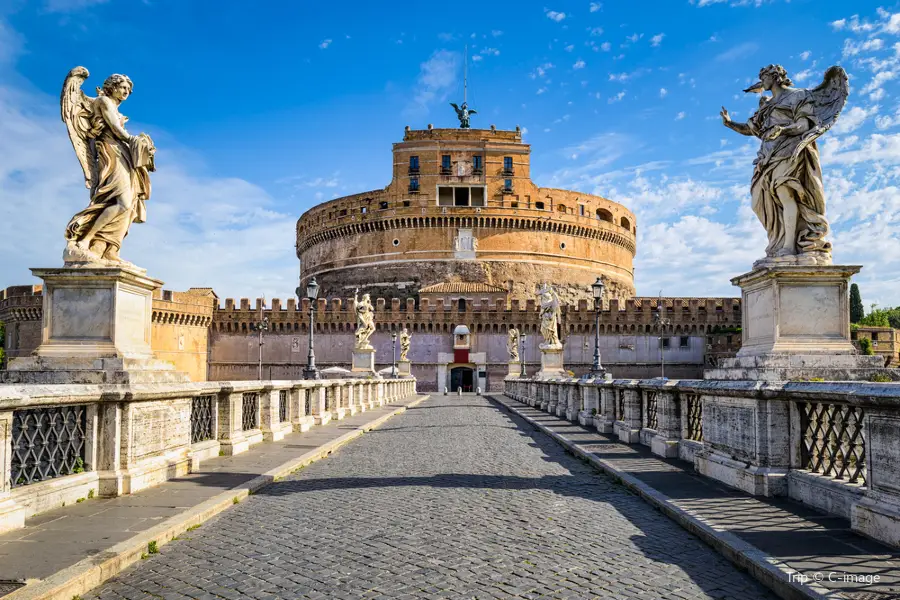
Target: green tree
{"points": [[877, 318], [865, 344], [857, 312]]}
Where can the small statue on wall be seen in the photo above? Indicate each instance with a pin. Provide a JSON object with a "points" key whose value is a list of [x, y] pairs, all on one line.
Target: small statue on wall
{"points": [[550, 313], [404, 343], [365, 320], [512, 344]]}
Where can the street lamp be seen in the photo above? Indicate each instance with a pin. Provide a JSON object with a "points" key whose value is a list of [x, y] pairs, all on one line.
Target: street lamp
{"points": [[394, 354], [260, 326], [661, 323], [597, 289], [522, 374], [312, 294]]}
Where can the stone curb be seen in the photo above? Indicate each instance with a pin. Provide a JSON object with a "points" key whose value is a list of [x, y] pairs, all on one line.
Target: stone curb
{"points": [[90, 572], [769, 571]]}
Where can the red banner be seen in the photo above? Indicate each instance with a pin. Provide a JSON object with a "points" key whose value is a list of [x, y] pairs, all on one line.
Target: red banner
{"points": [[460, 356]]}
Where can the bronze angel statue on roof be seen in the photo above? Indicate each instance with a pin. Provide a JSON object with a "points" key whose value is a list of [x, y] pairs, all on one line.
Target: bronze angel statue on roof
{"points": [[116, 168], [786, 189], [462, 113]]}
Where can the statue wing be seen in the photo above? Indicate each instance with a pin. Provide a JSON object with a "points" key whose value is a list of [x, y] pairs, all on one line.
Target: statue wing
{"points": [[76, 108], [828, 99], [455, 107], [472, 111]]}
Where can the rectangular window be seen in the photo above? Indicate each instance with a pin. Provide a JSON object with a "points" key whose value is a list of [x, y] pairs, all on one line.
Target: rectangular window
{"points": [[445, 163], [685, 342], [581, 210], [406, 203], [414, 184], [364, 209], [665, 342], [477, 196], [476, 163], [413, 164], [445, 196], [507, 184], [514, 204], [539, 205], [507, 164], [461, 196]]}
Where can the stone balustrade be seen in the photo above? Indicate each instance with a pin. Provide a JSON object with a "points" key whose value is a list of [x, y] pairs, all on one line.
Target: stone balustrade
{"points": [[832, 445], [64, 443]]}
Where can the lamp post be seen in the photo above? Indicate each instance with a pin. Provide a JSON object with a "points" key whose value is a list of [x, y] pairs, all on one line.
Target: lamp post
{"points": [[260, 326], [394, 355], [522, 374], [312, 294], [661, 323], [597, 289]]}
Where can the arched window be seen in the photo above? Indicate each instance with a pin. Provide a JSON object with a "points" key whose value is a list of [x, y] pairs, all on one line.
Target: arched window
{"points": [[383, 205], [539, 205], [462, 305], [604, 215], [626, 223]]}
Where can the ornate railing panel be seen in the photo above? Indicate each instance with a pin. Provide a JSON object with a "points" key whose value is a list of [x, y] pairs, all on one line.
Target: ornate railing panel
{"points": [[282, 406], [694, 417], [652, 421], [47, 443], [833, 442], [307, 404], [619, 405], [250, 411], [202, 418]]}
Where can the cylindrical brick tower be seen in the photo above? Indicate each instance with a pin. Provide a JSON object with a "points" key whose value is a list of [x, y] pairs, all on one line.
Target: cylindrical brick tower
{"points": [[461, 207]]}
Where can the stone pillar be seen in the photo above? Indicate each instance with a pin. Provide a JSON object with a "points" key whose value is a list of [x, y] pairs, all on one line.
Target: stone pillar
{"points": [[604, 420], [515, 368], [109, 450], [300, 420], [273, 429], [668, 433], [363, 362], [590, 394], [12, 516], [404, 368], [877, 514], [575, 402], [551, 363], [629, 428], [321, 415], [551, 397]]}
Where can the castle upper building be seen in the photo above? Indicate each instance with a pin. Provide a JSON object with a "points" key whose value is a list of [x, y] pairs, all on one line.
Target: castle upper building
{"points": [[461, 209]]}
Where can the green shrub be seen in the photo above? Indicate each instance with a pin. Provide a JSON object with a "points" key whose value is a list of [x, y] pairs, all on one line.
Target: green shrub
{"points": [[865, 345], [880, 378]]}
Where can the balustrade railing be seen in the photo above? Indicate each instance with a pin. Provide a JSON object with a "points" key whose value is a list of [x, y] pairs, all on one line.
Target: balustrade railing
{"points": [[833, 441], [282, 405], [250, 411], [694, 413], [651, 421]]}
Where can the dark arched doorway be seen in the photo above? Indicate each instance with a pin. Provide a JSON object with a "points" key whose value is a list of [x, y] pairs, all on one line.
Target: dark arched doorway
{"points": [[461, 378]]}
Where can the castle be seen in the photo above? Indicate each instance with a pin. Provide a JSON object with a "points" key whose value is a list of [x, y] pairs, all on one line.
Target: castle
{"points": [[452, 249]]}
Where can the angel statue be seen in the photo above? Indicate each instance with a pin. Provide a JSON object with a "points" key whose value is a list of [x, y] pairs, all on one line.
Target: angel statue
{"points": [[462, 113], [365, 320], [786, 189], [512, 345], [549, 317], [404, 343], [116, 168]]}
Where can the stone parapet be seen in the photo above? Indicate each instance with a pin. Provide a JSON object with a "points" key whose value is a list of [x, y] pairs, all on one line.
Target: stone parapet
{"points": [[120, 439], [832, 445]]}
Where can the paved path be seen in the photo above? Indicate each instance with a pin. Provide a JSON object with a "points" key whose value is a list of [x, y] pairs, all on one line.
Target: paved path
{"points": [[452, 499]]}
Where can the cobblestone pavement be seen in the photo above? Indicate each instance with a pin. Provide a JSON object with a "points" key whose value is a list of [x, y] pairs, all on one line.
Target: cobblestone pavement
{"points": [[452, 499]]}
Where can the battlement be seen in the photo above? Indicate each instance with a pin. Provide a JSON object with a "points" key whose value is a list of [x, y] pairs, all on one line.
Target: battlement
{"points": [[467, 135]]}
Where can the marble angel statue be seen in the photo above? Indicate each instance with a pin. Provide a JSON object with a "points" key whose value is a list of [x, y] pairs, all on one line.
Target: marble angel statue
{"points": [[405, 339], [786, 188], [549, 316], [116, 166], [512, 344], [365, 320]]}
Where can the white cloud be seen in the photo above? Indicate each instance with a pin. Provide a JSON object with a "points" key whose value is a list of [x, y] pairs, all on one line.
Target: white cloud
{"points": [[325, 44], [64, 6], [852, 24], [490, 52], [541, 91], [477, 58], [605, 46], [851, 120], [657, 39], [617, 98], [852, 48], [570, 47], [802, 76], [595, 6], [741, 51], [663, 92], [596, 31], [805, 55], [496, 33], [541, 70], [634, 37], [680, 116], [619, 77], [437, 78], [555, 16], [579, 64]]}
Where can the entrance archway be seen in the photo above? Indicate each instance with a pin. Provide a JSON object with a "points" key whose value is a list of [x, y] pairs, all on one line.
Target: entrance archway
{"points": [[462, 378]]}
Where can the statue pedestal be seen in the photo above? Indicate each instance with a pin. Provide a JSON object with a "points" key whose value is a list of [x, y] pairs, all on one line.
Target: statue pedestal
{"points": [[404, 368], [796, 325], [96, 329], [363, 363], [551, 363], [515, 368]]}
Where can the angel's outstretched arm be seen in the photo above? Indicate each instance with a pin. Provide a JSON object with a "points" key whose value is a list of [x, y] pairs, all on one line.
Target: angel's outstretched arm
{"points": [[111, 116]]}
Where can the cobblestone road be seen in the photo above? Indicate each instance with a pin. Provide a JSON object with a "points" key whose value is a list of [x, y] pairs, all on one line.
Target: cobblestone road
{"points": [[452, 499]]}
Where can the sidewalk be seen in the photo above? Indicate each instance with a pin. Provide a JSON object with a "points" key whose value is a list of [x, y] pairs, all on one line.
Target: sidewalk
{"points": [[67, 551], [784, 544]]}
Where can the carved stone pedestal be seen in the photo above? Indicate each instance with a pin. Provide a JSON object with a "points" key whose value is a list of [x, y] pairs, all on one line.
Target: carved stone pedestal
{"points": [[551, 363], [363, 363], [404, 368], [796, 325], [96, 329], [515, 368]]}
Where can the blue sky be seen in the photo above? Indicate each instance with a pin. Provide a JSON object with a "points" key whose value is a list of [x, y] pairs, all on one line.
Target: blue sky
{"points": [[260, 113]]}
